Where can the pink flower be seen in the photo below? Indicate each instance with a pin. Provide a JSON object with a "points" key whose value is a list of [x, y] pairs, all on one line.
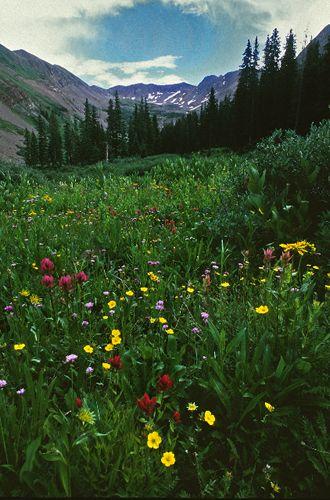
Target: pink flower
{"points": [[47, 281], [65, 282], [268, 255], [47, 265], [81, 277]]}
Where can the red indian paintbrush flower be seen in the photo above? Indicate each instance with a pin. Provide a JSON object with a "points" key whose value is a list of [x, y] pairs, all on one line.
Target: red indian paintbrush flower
{"points": [[47, 265], [268, 255], [65, 282], [78, 402], [47, 280], [81, 277], [147, 404], [116, 362], [176, 417], [164, 383]]}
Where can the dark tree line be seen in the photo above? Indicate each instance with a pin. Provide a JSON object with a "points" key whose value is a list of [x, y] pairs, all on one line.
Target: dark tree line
{"points": [[282, 94]]}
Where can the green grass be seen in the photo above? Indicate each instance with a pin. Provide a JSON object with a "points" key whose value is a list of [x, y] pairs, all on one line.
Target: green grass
{"points": [[114, 227]]}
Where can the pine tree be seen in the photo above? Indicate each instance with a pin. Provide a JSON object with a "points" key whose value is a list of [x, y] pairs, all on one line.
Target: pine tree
{"points": [[243, 99], [309, 105], [268, 108], [42, 142], [288, 81], [34, 149], [68, 144], [26, 149], [211, 121], [55, 146]]}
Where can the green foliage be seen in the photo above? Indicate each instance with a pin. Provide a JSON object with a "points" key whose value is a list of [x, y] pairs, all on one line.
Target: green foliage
{"points": [[146, 231]]}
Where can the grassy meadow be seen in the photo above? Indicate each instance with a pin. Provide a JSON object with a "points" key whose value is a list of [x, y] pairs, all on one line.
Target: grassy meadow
{"points": [[164, 326]]}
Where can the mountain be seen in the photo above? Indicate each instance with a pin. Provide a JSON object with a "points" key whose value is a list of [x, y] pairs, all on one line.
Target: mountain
{"points": [[322, 38], [29, 85]]}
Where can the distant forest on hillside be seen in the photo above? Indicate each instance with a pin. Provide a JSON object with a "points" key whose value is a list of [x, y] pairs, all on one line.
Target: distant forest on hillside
{"points": [[283, 94]]}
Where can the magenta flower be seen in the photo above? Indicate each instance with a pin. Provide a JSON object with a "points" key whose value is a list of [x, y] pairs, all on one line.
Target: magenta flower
{"points": [[47, 280], [47, 265], [3, 383], [81, 277], [21, 391], [89, 369], [65, 282], [205, 316], [195, 330], [268, 255], [89, 305], [160, 305], [8, 308]]}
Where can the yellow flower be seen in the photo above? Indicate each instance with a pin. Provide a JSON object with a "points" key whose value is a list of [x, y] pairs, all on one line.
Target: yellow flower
{"points": [[301, 247], [86, 416], [170, 331], [108, 347], [327, 287], [115, 333], [112, 304], [192, 407], [105, 317], [209, 417], [225, 284], [316, 267], [116, 340], [144, 289], [262, 310], [275, 487], [35, 300], [129, 293], [34, 265], [152, 320], [162, 321], [24, 293], [48, 198], [122, 298], [154, 440], [190, 290], [19, 347], [89, 349], [168, 458], [106, 366], [269, 407]]}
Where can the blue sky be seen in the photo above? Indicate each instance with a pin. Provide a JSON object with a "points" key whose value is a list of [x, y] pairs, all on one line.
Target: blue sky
{"points": [[110, 42]]}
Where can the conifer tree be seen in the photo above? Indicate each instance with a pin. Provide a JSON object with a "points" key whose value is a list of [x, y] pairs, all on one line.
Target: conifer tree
{"points": [[26, 149], [42, 142], [287, 88], [55, 146]]}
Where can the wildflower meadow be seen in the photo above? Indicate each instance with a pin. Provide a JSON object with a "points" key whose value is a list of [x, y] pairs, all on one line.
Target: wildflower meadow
{"points": [[162, 333]]}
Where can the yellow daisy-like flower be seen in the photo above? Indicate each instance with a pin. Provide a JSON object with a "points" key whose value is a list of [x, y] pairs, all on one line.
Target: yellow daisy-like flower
{"points": [[225, 284], [89, 349], [275, 487], [48, 198], [129, 293], [209, 417], [152, 320], [190, 290], [262, 310], [162, 321], [116, 340], [144, 289], [86, 416], [121, 299], [34, 265], [154, 440], [112, 304], [106, 366], [105, 317], [19, 347], [327, 287], [170, 331], [301, 247], [24, 293], [109, 347], [35, 300], [168, 458], [115, 333], [192, 407], [269, 407]]}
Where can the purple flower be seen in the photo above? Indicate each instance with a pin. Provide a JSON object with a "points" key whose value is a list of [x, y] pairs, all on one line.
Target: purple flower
{"points": [[205, 316], [8, 308], [84, 323], [74, 315], [20, 391], [160, 305], [165, 327], [89, 305], [3, 384], [89, 369], [111, 312], [153, 262], [106, 292], [195, 330], [71, 358]]}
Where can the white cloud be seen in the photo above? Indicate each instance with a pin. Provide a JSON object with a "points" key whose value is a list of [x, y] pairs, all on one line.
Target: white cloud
{"points": [[46, 27]]}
